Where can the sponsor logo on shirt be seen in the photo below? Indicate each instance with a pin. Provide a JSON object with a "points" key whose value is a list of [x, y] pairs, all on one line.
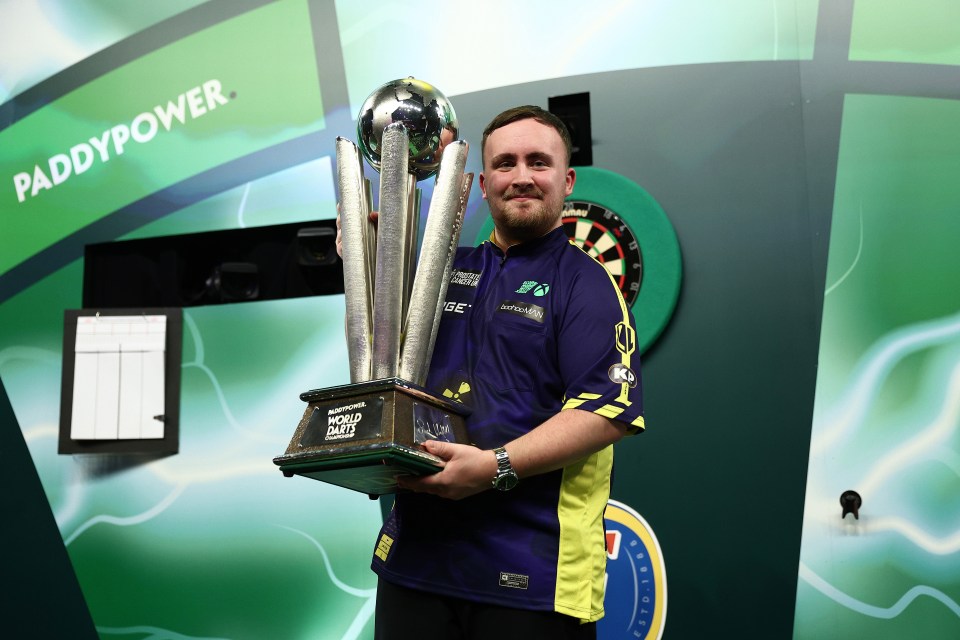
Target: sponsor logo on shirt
{"points": [[514, 580], [456, 307], [383, 547], [465, 277], [457, 395], [525, 309], [539, 289], [626, 338], [622, 374]]}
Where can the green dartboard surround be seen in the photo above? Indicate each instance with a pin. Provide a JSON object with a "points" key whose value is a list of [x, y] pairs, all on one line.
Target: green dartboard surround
{"points": [[629, 212]]}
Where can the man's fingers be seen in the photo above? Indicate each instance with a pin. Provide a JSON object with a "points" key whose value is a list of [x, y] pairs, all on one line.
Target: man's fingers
{"points": [[438, 448], [373, 219]]}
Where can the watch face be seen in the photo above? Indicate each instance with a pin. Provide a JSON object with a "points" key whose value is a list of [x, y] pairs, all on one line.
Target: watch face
{"points": [[607, 238], [507, 482]]}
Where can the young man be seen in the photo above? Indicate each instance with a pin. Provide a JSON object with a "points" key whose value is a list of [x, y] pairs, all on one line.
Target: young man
{"points": [[507, 540]]}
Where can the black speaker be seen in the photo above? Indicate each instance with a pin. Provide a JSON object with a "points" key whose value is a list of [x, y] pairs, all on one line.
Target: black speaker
{"points": [[574, 110], [317, 246]]}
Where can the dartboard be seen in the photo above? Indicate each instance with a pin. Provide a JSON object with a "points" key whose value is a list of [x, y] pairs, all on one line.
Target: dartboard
{"points": [[604, 235]]}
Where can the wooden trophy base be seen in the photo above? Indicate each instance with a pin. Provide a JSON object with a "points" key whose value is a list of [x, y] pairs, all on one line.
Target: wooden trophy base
{"points": [[362, 436]]}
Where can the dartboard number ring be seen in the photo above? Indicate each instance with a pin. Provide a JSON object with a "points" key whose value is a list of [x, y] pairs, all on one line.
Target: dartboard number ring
{"points": [[604, 235]]}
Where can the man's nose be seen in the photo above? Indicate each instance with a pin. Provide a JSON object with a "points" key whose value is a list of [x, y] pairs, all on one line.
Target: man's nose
{"points": [[522, 175]]}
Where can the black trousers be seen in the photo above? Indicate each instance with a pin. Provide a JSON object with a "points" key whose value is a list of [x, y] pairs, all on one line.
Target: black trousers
{"points": [[409, 614]]}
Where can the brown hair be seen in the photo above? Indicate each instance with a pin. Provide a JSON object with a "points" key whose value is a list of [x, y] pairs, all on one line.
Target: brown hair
{"points": [[526, 112]]}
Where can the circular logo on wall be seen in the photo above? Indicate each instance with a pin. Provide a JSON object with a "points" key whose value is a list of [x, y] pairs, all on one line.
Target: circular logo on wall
{"points": [[635, 598], [617, 222]]}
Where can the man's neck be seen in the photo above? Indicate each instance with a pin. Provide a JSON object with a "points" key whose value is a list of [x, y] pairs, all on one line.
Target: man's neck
{"points": [[505, 243], [499, 240]]}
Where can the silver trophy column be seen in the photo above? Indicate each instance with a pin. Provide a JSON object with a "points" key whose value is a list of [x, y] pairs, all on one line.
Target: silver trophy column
{"points": [[436, 261], [358, 259]]}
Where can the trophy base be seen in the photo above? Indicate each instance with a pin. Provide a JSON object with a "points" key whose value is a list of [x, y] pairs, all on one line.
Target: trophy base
{"points": [[362, 436]]}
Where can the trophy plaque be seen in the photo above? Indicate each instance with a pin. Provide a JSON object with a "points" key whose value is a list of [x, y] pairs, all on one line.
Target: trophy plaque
{"points": [[365, 434]]}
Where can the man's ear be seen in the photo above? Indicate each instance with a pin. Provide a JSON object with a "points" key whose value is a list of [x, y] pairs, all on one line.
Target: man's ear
{"points": [[571, 180], [483, 189]]}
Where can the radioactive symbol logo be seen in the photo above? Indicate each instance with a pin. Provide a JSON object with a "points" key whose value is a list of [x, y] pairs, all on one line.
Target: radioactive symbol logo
{"points": [[455, 395]]}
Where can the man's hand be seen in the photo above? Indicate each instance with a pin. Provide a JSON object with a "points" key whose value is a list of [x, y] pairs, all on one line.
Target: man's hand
{"points": [[563, 439], [373, 219], [339, 235], [467, 470]]}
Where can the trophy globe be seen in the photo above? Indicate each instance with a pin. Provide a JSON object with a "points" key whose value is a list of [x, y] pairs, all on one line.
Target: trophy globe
{"points": [[424, 111]]}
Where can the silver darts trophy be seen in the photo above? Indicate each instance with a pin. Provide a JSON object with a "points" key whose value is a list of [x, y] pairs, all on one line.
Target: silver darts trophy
{"points": [[365, 434]]}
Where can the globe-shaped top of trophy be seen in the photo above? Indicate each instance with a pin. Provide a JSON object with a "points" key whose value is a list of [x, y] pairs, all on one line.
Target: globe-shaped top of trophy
{"points": [[425, 112]]}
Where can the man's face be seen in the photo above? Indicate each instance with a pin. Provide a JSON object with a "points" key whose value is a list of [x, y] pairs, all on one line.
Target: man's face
{"points": [[525, 179]]}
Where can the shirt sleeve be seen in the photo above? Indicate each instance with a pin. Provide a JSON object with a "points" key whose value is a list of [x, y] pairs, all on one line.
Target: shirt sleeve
{"points": [[599, 361]]}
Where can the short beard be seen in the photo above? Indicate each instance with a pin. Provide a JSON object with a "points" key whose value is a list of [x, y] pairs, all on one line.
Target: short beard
{"points": [[529, 225]]}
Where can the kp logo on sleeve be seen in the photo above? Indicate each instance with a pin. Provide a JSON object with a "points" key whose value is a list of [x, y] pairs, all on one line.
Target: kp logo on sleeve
{"points": [[636, 582]]}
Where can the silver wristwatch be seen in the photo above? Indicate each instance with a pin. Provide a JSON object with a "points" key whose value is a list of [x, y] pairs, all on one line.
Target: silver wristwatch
{"points": [[506, 477]]}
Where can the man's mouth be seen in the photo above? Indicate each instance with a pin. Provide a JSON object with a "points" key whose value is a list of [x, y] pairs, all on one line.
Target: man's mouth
{"points": [[523, 196]]}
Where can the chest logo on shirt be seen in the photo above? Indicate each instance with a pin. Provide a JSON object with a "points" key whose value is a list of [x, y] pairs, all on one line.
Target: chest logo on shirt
{"points": [[456, 307], [457, 395], [525, 309], [539, 289], [465, 278]]}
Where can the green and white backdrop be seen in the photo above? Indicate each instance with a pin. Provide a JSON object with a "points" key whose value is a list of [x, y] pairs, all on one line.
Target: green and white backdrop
{"points": [[805, 153]]}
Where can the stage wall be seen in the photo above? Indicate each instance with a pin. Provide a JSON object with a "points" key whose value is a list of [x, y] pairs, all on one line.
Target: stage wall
{"points": [[804, 152]]}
